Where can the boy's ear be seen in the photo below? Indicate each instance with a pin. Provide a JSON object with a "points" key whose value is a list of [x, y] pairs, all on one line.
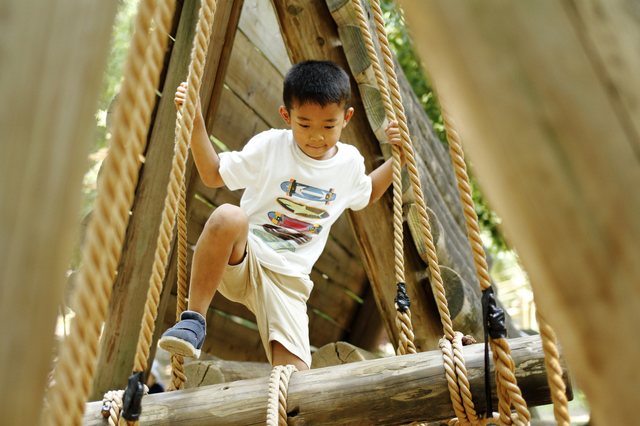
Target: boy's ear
{"points": [[347, 117], [285, 115]]}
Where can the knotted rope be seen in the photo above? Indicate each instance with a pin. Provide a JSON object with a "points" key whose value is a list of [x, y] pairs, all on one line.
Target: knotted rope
{"points": [[396, 110], [112, 403], [506, 384], [107, 227], [278, 389]]}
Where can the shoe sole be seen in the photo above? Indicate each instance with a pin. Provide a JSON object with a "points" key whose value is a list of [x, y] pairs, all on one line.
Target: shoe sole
{"points": [[179, 347]]}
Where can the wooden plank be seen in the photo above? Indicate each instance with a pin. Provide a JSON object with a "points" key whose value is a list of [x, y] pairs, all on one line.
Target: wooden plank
{"points": [[53, 54], [332, 299], [385, 391], [310, 33], [254, 80], [534, 109], [258, 22], [236, 123], [122, 326], [341, 267]]}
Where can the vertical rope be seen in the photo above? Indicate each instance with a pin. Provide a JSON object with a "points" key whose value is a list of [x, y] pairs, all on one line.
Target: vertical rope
{"points": [[178, 377], [183, 136], [278, 389], [403, 319], [505, 368], [554, 372], [107, 227], [394, 88]]}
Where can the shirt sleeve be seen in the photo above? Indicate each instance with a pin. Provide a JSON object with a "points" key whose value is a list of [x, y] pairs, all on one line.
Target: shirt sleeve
{"points": [[362, 187], [242, 169]]}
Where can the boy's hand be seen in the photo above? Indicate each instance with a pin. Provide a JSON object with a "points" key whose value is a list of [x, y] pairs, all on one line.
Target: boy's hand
{"points": [[393, 135], [181, 94]]}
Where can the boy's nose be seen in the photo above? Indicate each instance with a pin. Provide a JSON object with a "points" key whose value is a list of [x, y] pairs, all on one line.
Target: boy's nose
{"points": [[317, 137]]}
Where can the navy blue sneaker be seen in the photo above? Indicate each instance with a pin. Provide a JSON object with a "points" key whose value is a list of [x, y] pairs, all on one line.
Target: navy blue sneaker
{"points": [[186, 337]]}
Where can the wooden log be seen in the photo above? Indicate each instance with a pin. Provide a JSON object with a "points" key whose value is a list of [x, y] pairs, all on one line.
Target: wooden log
{"points": [[212, 372], [389, 391], [546, 119], [53, 57], [122, 326], [339, 353]]}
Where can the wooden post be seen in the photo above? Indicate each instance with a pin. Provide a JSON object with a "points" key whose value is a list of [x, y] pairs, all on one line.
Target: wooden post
{"points": [[545, 95], [385, 391], [122, 326], [53, 55]]}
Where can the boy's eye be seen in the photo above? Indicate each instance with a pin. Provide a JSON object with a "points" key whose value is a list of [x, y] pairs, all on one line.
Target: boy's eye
{"points": [[304, 126], [329, 127]]}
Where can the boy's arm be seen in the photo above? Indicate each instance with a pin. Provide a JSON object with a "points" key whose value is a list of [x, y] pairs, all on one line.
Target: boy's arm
{"points": [[382, 177], [205, 157]]}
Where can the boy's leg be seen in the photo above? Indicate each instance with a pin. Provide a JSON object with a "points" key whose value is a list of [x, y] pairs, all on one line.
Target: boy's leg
{"points": [[281, 356], [223, 241]]}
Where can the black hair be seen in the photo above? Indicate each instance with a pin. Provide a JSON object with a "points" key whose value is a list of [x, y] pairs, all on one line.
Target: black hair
{"points": [[320, 82]]}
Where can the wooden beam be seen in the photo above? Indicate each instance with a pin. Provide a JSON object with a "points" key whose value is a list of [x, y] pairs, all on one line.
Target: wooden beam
{"points": [[545, 97], [385, 391], [53, 57], [122, 325]]}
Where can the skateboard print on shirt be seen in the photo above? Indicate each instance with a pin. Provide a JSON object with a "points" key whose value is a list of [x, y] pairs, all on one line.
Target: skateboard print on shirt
{"points": [[293, 188], [286, 235], [302, 209], [294, 224], [274, 242]]}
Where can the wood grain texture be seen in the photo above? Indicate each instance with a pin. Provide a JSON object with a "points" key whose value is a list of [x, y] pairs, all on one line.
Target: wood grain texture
{"points": [[385, 391], [544, 102], [53, 55], [259, 24]]}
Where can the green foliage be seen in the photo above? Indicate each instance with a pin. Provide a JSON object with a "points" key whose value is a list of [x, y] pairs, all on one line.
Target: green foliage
{"points": [[403, 47]]}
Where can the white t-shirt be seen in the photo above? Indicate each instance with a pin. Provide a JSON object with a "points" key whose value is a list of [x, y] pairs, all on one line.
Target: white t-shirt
{"points": [[291, 199]]}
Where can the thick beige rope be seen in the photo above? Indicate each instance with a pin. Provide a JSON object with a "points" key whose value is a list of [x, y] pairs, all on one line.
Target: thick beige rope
{"points": [[278, 389], [178, 377], [394, 88], [106, 230], [454, 363], [112, 405], [403, 319], [554, 372], [505, 368], [184, 129]]}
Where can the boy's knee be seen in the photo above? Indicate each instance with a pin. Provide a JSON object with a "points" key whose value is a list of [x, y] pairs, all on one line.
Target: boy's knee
{"points": [[228, 219]]}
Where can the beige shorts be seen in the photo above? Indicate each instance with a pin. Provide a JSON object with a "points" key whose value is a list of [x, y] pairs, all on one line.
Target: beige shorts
{"points": [[278, 301]]}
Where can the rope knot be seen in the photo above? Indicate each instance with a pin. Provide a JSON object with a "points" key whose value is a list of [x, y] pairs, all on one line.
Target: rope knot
{"points": [[132, 403], [403, 303], [494, 317]]}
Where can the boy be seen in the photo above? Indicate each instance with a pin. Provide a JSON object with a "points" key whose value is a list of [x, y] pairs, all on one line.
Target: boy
{"points": [[297, 182]]}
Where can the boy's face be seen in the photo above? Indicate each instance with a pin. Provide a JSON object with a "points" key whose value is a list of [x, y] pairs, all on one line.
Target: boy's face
{"points": [[316, 129]]}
